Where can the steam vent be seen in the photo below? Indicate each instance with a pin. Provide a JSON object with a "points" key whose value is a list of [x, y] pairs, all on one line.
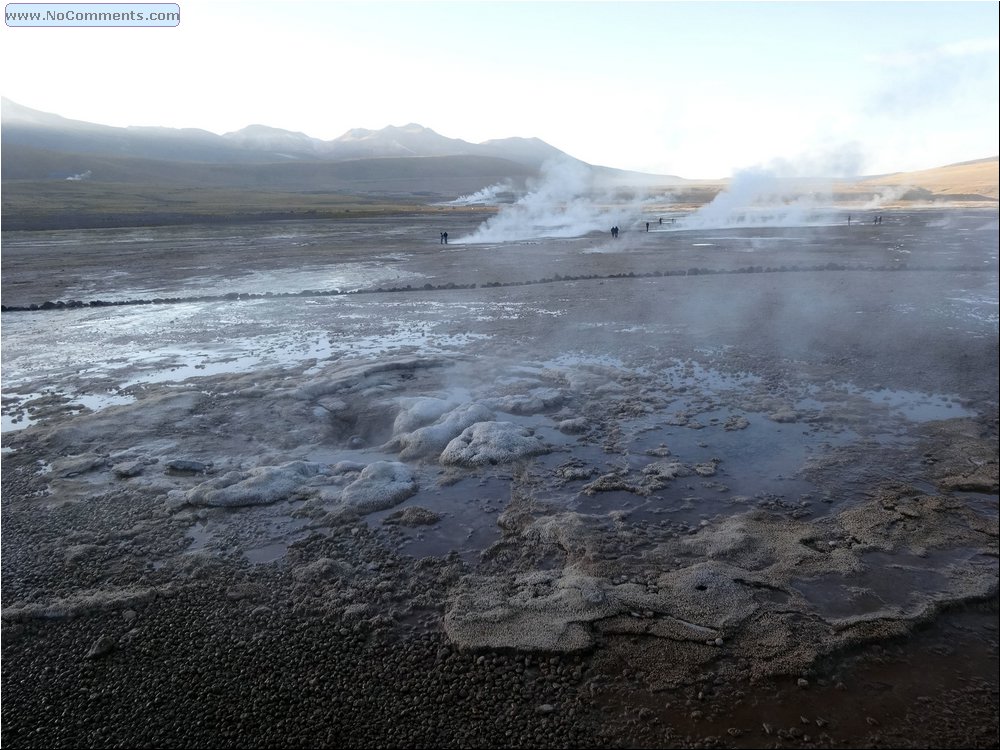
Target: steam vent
{"points": [[726, 477]]}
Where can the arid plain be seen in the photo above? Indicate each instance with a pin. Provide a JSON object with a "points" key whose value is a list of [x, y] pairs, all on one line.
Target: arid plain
{"points": [[332, 482]]}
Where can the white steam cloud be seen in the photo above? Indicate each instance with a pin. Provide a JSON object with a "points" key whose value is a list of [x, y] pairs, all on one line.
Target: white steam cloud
{"points": [[757, 197], [488, 196], [784, 194], [563, 202], [887, 195]]}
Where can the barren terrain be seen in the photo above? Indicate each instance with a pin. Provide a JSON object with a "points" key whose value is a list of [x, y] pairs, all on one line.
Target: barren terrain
{"points": [[335, 483]]}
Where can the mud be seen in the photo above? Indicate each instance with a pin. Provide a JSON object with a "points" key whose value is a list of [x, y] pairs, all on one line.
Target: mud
{"points": [[690, 488]]}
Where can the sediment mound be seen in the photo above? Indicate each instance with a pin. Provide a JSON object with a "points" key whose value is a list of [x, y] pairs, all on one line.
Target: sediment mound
{"points": [[381, 485], [487, 443], [260, 486], [432, 439]]}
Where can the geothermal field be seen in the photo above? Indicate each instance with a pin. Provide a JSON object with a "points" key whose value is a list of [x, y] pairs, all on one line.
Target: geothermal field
{"points": [[715, 483]]}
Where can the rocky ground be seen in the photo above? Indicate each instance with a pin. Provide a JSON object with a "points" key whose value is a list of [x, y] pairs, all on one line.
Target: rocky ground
{"points": [[731, 488]]}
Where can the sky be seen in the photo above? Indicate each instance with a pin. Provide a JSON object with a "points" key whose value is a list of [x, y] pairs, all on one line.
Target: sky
{"points": [[696, 89]]}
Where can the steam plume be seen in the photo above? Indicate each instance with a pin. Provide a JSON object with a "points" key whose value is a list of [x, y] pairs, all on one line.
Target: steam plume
{"points": [[563, 202]]}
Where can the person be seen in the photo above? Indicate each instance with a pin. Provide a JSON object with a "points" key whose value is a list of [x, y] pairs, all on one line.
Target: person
{"points": [[661, 221], [444, 238], [647, 226], [848, 220]]}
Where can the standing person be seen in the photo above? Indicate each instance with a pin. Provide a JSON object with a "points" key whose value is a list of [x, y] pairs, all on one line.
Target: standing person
{"points": [[848, 220], [661, 221], [444, 236], [647, 226]]}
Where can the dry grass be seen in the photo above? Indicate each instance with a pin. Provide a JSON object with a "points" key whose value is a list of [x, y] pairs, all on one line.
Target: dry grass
{"points": [[972, 178], [35, 204]]}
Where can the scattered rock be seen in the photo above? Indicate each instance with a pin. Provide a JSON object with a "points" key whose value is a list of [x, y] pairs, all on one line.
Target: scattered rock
{"points": [[576, 426], [76, 465], [129, 469], [706, 469], [413, 515], [187, 466], [101, 647], [784, 415], [322, 569], [736, 422]]}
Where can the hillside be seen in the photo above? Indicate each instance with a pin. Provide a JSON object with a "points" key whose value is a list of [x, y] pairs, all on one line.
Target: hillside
{"points": [[969, 180]]}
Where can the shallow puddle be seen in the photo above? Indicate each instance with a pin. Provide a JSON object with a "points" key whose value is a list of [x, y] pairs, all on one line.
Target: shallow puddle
{"points": [[889, 582]]}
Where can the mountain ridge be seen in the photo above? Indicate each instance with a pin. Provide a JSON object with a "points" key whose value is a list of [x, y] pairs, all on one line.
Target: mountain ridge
{"points": [[24, 126]]}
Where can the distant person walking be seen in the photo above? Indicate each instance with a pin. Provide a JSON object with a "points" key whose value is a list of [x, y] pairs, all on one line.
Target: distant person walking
{"points": [[614, 232], [647, 226], [444, 238], [848, 220], [661, 221]]}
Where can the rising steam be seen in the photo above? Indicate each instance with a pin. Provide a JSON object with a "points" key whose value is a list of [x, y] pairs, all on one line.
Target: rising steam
{"points": [[758, 197], [488, 196], [783, 194], [563, 202]]}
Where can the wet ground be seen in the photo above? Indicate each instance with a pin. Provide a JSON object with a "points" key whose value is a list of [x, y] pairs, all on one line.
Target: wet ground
{"points": [[743, 492]]}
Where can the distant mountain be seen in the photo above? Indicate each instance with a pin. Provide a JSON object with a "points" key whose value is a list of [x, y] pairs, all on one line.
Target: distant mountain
{"points": [[26, 127], [22, 126], [524, 150], [265, 139], [408, 140]]}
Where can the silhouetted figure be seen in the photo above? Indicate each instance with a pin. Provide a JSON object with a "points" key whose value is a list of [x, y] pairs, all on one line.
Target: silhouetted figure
{"points": [[444, 238], [848, 220], [647, 226], [614, 232], [875, 220], [661, 221]]}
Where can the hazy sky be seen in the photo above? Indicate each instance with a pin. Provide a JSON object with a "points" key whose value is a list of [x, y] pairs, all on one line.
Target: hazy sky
{"points": [[697, 89]]}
